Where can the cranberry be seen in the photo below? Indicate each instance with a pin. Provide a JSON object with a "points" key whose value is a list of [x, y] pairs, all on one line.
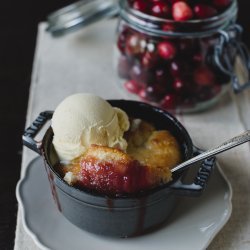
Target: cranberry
{"points": [[149, 59], [178, 85], [203, 11], [155, 1], [159, 90], [168, 27], [160, 9], [181, 11], [174, 1], [162, 76], [175, 69], [168, 101], [121, 42], [132, 87], [186, 46], [221, 4], [151, 46], [180, 68], [146, 94], [123, 67], [140, 5], [152, 93], [204, 76], [134, 45], [140, 75], [143, 94], [166, 50]]}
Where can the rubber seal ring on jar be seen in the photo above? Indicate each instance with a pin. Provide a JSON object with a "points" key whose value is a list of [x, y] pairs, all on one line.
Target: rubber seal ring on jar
{"points": [[80, 14], [230, 42]]}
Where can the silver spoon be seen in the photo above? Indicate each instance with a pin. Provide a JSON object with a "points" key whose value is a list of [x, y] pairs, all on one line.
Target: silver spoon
{"points": [[231, 143]]}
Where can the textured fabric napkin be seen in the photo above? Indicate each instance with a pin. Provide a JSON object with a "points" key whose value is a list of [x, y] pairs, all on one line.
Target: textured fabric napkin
{"points": [[83, 62]]}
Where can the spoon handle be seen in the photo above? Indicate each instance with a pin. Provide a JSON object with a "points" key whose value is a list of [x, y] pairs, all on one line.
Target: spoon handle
{"points": [[231, 143]]}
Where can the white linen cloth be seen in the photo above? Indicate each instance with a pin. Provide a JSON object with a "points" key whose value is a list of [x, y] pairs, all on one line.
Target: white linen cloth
{"points": [[83, 62]]}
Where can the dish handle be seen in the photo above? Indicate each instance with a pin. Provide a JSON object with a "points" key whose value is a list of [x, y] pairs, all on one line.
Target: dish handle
{"points": [[200, 181], [34, 129]]}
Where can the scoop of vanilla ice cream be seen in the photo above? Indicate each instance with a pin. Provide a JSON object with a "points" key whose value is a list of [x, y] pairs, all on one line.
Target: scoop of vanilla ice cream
{"points": [[84, 119]]}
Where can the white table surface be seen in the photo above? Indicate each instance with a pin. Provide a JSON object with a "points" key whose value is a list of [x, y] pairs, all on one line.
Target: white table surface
{"points": [[83, 62]]}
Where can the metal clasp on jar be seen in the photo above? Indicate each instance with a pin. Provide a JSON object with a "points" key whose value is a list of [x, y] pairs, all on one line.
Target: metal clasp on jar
{"points": [[226, 52]]}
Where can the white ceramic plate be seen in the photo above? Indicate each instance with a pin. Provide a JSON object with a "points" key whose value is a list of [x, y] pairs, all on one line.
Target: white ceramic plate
{"points": [[192, 226]]}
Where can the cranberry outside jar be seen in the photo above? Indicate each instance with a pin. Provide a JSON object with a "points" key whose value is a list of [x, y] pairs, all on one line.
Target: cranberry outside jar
{"points": [[179, 64]]}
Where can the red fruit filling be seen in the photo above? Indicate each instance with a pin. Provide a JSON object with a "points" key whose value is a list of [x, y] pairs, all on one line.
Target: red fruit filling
{"points": [[114, 177]]}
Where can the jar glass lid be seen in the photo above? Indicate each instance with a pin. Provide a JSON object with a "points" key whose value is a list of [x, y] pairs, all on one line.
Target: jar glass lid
{"points": [[80, 14]]}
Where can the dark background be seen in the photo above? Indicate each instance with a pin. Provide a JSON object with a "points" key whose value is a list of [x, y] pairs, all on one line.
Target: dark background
{"points": [[18, 25]]}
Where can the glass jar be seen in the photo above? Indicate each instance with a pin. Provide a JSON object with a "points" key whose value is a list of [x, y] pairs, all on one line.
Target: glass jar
{"points": [[180, 66]]}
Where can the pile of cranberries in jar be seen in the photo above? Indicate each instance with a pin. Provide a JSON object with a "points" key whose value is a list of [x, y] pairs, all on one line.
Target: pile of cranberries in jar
{"points": [[172, 72]]}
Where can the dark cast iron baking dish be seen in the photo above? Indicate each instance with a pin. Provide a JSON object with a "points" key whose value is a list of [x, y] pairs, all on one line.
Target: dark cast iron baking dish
{"points": [[127, 215]]}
